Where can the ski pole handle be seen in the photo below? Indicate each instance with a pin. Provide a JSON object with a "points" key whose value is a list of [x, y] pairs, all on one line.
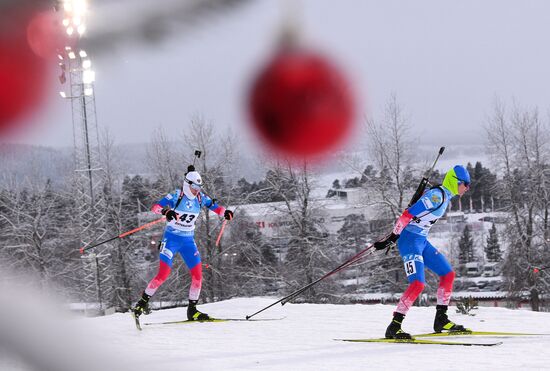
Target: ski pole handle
{"points": [[150, 224]]}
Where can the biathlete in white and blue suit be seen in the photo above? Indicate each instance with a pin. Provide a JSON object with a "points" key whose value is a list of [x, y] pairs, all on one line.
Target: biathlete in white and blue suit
{"points": [[181, 209], [411, 232]]}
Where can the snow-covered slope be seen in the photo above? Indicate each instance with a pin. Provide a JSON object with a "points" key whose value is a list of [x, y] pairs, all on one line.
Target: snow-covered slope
{"points": [[302, 340]]}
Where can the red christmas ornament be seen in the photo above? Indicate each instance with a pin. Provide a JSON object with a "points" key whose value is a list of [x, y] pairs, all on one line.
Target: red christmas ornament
{"points": [[22, 73], [46, 35], [535, 270], [300, 104]]}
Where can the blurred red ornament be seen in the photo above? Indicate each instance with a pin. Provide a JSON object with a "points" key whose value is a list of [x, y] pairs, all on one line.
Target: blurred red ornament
{"points": [[46, 34], [301, 104], [536, 270], [22, 73]]}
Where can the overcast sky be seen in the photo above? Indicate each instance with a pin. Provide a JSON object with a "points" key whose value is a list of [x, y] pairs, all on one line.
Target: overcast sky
{"points": [[445, 60]]}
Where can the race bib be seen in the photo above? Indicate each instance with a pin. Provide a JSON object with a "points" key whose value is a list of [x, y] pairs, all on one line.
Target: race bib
{"points": [[410, 267], [185, 222]]}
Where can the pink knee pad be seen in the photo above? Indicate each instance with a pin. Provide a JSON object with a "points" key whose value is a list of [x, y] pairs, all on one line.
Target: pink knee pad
{"points": [[409, 296], [196, 282], [445, 288], [162, 275]]}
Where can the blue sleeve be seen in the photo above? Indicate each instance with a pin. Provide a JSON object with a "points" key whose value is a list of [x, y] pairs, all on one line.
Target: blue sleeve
{"points": [[170, 199], [206, 201], [428, 202]]}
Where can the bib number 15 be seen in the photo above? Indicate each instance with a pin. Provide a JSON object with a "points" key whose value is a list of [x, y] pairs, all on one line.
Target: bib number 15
{"points": [[410, 267]]}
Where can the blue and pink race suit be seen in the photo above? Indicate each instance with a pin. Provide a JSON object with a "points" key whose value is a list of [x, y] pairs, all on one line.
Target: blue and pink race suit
{"points": [[417, 252]]}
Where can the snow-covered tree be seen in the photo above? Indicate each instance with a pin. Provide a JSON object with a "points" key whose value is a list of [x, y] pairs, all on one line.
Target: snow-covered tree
{"points": [[466, 246], [250, 265], [492, 249], [520, 146], [309, 251]]}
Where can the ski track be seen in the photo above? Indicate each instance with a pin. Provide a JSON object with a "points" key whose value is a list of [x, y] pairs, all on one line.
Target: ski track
{"points": [[304, 340]]}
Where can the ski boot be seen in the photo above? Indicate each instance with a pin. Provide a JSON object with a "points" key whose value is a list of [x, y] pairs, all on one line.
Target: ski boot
{"points": [[442, 322], [193, 314], [142, 306], [394, 330]]}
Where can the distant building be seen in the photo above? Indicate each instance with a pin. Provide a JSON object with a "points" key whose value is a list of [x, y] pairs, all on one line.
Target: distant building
{"points": [[330, 212]]}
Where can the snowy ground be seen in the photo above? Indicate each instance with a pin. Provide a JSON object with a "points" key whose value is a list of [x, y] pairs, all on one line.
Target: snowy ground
{"points": [[303, 340]]}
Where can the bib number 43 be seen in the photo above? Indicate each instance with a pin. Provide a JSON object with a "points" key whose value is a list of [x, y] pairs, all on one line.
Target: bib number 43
{"points": [[187, 218]]}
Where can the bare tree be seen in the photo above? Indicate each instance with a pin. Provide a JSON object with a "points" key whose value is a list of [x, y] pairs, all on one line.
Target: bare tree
{"points": [[309, 250], [518, 143], [164, 161], [388, 185], [118, 221], [390, 147]]}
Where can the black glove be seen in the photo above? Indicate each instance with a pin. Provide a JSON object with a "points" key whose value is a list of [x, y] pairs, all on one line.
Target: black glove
{"points": [[169, 213], [228, 214], [386, 242]]}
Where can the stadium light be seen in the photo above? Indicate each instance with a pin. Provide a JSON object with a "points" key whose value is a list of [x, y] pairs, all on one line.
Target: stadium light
{"points": [[79, 7], [86, 64], [72, 55], [81, 29], [88, 76], [63, 95], [82, 54]]}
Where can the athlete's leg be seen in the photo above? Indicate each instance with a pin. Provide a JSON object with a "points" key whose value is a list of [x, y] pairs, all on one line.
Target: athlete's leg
{"points": [[196, 282], [162, 275], [192, 259], [436, 262], [168, 247], [411, 247]]}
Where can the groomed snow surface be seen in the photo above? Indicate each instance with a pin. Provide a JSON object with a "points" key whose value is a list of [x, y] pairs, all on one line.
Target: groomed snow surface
{"points": [[302, 340]]}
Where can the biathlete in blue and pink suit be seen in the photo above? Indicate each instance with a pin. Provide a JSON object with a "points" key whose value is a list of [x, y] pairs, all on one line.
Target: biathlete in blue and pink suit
{"points": [[181, 209], [411, 232]]}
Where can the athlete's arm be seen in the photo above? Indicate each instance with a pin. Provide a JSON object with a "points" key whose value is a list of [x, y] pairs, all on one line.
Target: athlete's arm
{"points": [[169, 201], [211, 204], [402, 222]]}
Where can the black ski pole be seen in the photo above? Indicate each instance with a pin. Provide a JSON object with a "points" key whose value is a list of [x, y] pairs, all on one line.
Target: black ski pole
{"points": [[343, 266], [360, 255]]}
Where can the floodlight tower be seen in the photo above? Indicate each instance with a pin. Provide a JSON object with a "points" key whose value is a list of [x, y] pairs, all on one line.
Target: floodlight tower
{"points": [[76, 69]]}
